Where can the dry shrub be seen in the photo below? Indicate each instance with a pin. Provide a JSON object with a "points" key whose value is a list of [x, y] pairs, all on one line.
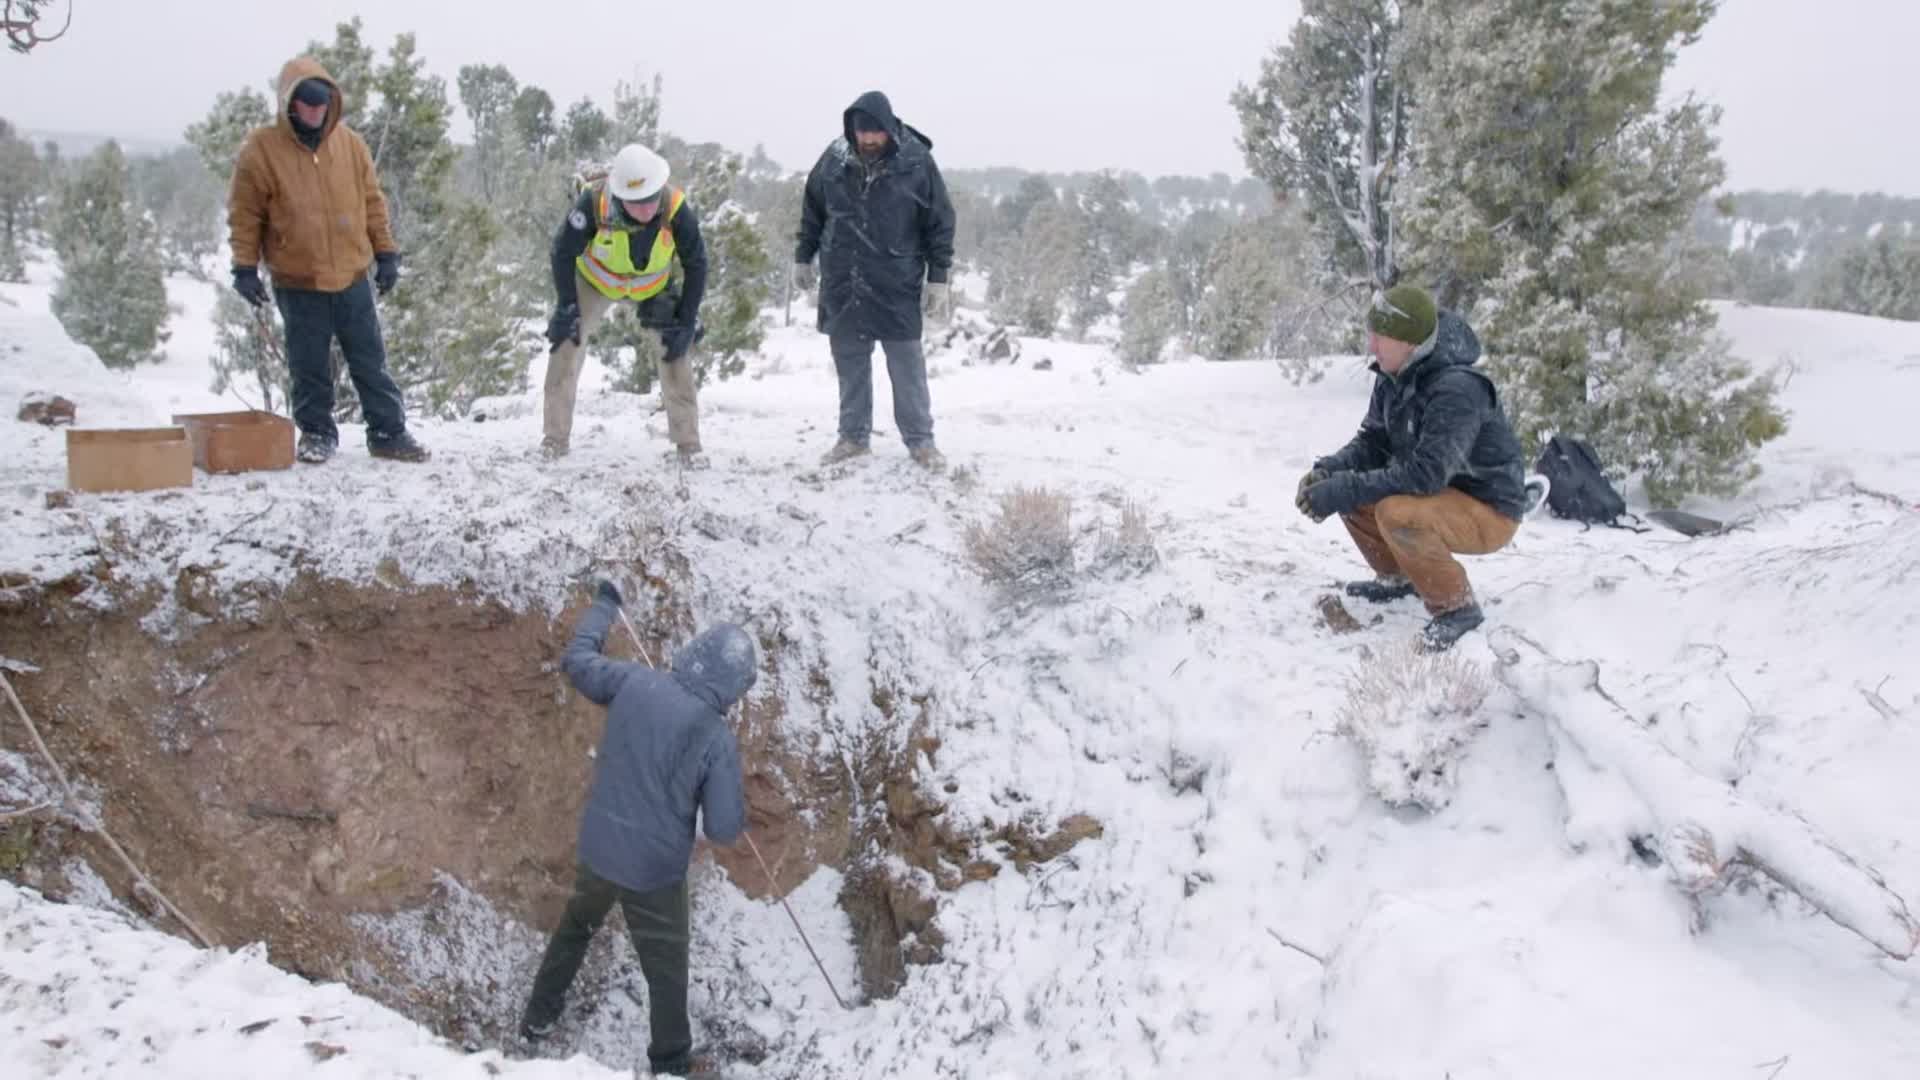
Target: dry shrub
{"points": [[1129, 548], [1412, 713], [1029, 543]]}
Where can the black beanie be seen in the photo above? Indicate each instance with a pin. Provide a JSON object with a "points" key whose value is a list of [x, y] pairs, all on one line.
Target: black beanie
{"points": [[865, 121], [313, 92]]}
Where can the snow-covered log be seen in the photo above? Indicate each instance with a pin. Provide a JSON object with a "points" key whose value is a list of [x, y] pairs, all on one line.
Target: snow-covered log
{"points": [[1623, 787]]}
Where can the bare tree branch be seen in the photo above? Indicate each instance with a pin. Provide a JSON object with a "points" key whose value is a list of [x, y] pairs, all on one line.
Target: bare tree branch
{"points": [[19, 19]]}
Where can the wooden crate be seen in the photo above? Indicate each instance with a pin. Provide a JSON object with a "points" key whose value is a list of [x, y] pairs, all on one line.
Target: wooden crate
{"points": [[230, 442], [128, 459]]}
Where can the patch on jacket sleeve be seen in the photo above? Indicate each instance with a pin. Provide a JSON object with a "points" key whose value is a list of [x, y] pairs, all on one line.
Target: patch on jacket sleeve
{"points": [[578, 220]]}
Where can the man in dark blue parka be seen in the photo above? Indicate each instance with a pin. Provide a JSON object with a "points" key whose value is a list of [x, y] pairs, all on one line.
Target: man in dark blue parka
{"points": [[878, 215]]}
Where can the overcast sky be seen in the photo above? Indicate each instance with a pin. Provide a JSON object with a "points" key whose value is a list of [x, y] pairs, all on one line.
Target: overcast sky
{"points": [[1815, 91]]}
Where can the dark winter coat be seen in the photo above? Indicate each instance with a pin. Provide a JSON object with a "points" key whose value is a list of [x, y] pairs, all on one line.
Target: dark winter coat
{"points": [[667, 751], [310, 208], [1438, 424], [880, 228]]}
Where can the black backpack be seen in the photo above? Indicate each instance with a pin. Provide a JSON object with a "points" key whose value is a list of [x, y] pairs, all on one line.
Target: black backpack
{"points": [[1577, 488]]}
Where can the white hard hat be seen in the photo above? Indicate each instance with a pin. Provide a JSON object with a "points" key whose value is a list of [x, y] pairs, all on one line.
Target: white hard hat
{"points": [[637, 174]]}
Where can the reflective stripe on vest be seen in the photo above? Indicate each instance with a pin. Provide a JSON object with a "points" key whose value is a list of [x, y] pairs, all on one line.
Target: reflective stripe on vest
{"points": [[608, 266]]}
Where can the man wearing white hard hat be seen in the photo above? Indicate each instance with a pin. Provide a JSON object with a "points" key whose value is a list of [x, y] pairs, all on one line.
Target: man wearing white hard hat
{"points": [[618, 244]]}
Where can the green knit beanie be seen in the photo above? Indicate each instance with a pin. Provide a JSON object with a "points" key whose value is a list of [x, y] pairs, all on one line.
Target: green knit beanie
{"points": [[1406, 314]]}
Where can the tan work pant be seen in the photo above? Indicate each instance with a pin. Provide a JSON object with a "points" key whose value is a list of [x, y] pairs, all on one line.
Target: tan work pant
{"points": [[563, 382], [1417, 537]]}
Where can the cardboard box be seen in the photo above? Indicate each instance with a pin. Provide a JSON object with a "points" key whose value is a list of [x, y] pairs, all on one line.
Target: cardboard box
{"points": [[128, 459], [231, 442]]}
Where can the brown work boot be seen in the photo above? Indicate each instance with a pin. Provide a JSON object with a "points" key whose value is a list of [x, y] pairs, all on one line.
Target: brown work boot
{"points": [[844, 450], [928, 458], [401, 447]]}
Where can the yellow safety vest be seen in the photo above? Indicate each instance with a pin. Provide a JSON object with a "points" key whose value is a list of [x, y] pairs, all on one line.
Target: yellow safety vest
{"points": [[608, 265]]}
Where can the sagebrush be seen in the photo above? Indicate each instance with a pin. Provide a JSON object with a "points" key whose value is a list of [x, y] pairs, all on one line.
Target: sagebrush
{"points": [[1028, 544], [1127, 548], [1412, 712]]}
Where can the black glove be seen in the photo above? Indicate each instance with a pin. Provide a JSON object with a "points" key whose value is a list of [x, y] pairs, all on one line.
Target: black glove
{"points": [[564, 326], [246, 282], [1328, 497], [386, 271], [1300, 493], [678, 339], [607, 592]]}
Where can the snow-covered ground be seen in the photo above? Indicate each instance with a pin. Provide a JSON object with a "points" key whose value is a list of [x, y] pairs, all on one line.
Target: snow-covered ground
{"points": [[1191, 709]]}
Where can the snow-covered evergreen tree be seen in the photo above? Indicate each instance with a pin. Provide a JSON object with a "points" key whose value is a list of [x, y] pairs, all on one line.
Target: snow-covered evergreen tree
{"points": [[1189, 259], [187, 204], [1328, 120], [1107, 245], [636, 114], [737, 289], [530, 124], [1880, 277], [111, 295], [243, 360], [1247, 283], [1034, 270], [248, 360], [454, 327], [219, 135], [22, 184], [586, 131], [1551, 196], [487, 93], [1148, 318]]}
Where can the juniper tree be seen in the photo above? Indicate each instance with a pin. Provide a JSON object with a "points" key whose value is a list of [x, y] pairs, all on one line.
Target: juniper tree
{"points": [[1329, 121], [23, 182], [1148, 318], [1551, 196], [243, 355], [111, 295], [1880, 277]]}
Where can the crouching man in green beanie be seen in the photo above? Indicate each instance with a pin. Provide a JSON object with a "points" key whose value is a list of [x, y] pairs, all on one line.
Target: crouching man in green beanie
{"points": [[1434, 472]]}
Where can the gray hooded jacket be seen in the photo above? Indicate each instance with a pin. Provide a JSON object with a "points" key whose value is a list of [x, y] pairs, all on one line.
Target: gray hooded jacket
{"points": [[667, 751]]}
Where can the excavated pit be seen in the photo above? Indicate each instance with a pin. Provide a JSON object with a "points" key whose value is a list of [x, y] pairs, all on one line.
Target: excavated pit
{"points": [[342, 759]]}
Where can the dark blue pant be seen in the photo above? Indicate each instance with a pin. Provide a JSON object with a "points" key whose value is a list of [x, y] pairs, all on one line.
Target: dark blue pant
{"points": [[313, 319]]}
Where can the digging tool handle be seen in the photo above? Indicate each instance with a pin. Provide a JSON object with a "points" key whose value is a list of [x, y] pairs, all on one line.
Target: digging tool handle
{"points": [[755, 848]]}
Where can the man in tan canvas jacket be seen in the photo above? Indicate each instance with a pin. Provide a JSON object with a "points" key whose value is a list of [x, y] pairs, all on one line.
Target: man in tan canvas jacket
{"points": [[305, 201]]}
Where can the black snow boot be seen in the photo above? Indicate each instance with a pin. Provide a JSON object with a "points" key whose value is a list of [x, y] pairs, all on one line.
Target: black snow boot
{"points": [[1447, 628], [1381, 590], [401, 447], [315, 449]]}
